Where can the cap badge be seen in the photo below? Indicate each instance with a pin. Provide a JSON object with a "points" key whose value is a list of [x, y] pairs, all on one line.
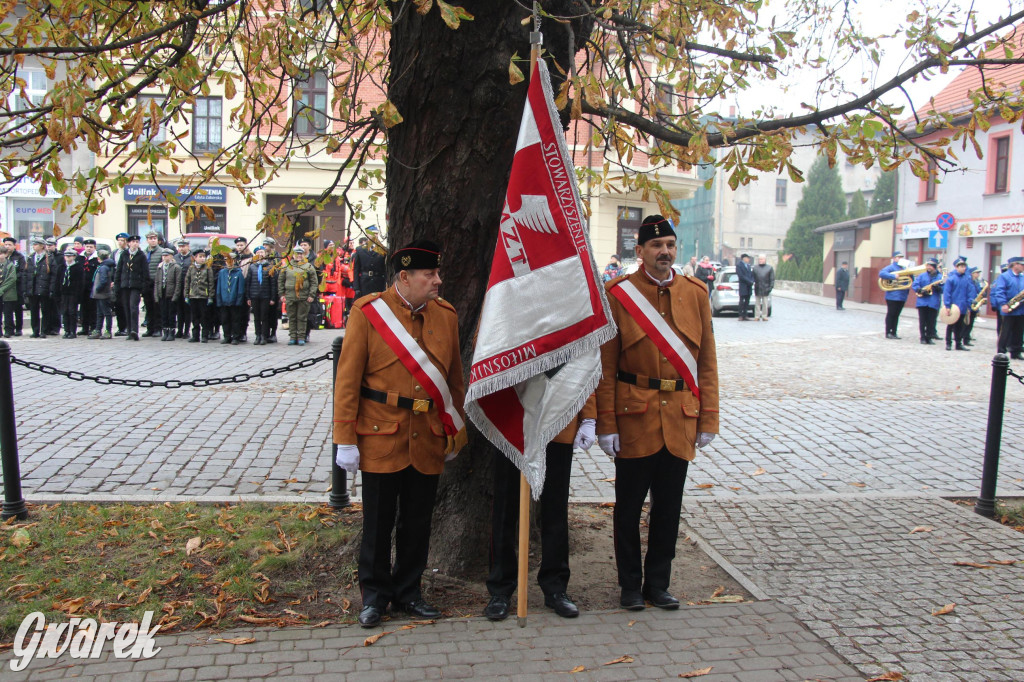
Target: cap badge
{"points": [[406, 260]]}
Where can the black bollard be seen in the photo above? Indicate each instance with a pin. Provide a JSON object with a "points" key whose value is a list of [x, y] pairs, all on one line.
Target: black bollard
{"points": [[339, 477], [14, 504], [986, 504]]}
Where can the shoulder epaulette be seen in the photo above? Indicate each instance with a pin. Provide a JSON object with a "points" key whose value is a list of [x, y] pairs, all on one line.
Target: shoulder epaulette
{"points": [[612, 282], [445, 304], [363, 300], [693, 280]]}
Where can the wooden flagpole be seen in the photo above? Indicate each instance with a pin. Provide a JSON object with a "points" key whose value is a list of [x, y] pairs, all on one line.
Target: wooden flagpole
{"points": [[536, 40]]}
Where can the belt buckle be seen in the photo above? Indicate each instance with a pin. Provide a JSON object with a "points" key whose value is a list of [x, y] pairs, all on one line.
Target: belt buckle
{"points": [[420, 406], [668, 385]]}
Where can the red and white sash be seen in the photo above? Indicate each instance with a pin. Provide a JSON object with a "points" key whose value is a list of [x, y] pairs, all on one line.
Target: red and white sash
{"points": [[663, 336], [416, 361]]}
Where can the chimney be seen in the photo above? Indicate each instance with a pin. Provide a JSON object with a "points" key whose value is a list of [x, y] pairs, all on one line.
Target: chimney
{"points": [[732, 111]]}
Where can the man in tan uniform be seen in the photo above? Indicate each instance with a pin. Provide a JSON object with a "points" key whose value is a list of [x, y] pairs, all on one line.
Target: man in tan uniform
{"points": [[656, 403], [397, 418]]}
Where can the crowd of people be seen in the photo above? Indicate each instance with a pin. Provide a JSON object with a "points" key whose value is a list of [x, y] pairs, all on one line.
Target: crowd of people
{"points": [[203, 295]]}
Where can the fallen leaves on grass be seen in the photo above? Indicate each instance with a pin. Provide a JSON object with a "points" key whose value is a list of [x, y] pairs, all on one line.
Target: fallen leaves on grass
{"points": [[236, 640], [621, 659], [192, 545], [20, 538], [948, 608], [700, 672]]}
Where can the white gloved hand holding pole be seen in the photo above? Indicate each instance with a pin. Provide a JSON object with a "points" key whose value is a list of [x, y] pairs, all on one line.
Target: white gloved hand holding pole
{"points": [[585, 435], [347, 457], [704, 439], [609, 443]]}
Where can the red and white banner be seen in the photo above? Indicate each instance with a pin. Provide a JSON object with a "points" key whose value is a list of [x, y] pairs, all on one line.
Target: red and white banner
{"points": [[545, 315]]}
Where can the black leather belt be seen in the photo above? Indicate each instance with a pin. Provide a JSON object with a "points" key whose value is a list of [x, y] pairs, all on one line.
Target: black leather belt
{"points": [[651, 382], [418, 405]]}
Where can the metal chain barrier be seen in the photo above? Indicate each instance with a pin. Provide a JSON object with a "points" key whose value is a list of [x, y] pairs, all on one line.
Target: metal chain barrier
{"points": [[171, 383], [1018, 377]]}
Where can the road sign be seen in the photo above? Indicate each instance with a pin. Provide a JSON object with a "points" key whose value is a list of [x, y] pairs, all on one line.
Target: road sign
{"points": [[945, 221], [938, 239]]}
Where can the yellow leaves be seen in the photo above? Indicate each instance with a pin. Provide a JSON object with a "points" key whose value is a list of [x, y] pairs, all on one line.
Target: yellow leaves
{"points": [[947, 609], [759, 472], [192, 545], [921, 529], [887, 677], [236, 640], [453, 15], [578, 669], [369, 641], [621, 659], [972, 564], [700, 672], [69, 606], [423, 6], [388, 113]]}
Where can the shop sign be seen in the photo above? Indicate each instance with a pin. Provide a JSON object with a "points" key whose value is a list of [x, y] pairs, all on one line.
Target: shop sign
{"points": [[199, 195]]}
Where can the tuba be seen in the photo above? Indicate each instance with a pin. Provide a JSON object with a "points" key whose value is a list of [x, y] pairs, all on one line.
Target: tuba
{"points": [[904, 279], [980, 298]]}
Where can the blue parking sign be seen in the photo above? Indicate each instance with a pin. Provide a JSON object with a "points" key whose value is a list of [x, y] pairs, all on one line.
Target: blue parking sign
{"points": [[937, 239]]}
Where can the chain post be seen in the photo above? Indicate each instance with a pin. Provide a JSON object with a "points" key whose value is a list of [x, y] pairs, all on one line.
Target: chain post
{"points": [[14, 503], [986, 504], [339, 498]]}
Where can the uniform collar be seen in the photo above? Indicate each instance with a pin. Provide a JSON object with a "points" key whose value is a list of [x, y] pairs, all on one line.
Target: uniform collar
{"points": [[660, 282], [406, 304]]}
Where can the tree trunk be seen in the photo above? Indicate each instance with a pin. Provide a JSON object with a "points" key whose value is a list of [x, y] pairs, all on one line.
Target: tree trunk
{"points": [[447, 170]]}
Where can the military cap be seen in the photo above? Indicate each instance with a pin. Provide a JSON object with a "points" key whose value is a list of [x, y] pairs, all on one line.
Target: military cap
{"points": [[960, 261], [421, 254], [181, 242], [90, 240], [654, 227], [38, 240], [70, 253], [897, 254], [299, 250], [241, 239], [1015, 259], [152, 233], [932, 261], [10, 239], [269, 241], [50, 241], [121, 235], [133, 238], [167, 252]]}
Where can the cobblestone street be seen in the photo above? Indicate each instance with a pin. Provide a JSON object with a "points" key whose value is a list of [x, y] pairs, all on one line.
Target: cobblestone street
{"points": [[835, 444]]}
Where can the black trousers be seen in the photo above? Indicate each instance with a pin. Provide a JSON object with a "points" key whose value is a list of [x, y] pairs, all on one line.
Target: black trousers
{"points": [[168, 308], [261, 316], [9, 308], [402, 502], [1011, 336], [233, 320], [955, 332], [664, 475], [69, 312], [152, 310], [87, 313], [201, 317], [926, 318], [120, 312], [51, 316], [130, 304], [37, 314], [19, 313], [744, 306], [553, 576], [840, 295], [892, 315], [969, 324], [183, 313]]}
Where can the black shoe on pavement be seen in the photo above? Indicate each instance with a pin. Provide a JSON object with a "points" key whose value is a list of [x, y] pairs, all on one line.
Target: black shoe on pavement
{"points": [[968, 343], [121, 332], [497, 608], [369, 617], [890, 335], [193, 339], [935, 337], [632, 600], [226, 339], [561, 604], [949, 346], [662, 599], [1016, 356], [924, 341], [420, 609], [960, 346]]}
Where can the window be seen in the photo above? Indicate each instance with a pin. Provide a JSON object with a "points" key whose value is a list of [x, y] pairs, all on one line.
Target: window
{"points": [[25, 99], [778, 243], [999, 169], [311, 5], [206, 124], [780, 192], [311, 104], [663, 94], [929, 184], [146, 103]]}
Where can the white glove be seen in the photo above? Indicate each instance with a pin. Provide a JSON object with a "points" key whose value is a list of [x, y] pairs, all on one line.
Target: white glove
{"points": [[585, 435], [609, 443], [704, 438], [451, 455], [348, 458]]}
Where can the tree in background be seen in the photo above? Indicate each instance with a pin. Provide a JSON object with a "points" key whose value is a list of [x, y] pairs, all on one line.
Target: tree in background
{"points": [[858, 207], [823, 203], [435, 90], [884, 198]]}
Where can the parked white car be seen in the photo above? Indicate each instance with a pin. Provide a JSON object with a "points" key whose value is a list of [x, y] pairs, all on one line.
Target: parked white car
{"points": [[726, 295]]}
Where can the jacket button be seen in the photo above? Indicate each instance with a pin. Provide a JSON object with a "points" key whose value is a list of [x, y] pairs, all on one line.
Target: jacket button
{"points": [[663, 314], [664, 359], [415, 434], [376, 428], [664, 402], [416, 388], [625, 409]]}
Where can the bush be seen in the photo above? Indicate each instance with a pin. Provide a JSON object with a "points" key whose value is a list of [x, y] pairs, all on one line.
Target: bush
{"points": [[806, 270]]}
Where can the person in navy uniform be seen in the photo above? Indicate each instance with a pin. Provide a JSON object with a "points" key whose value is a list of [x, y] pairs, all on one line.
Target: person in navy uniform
{"points": [[992, 306], [974, 279], [957, 291], [68, 286], [894, 300], [39, 269], [746, 277], [842, 284], [929, 299], [18, 258], [1008, 285], [367, 270]]}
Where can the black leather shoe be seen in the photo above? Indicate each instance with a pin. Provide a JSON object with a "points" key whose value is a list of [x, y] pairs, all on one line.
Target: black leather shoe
{"points": [[929, 342], [497, 608], [420, 609], [949, 347], [631, 600], [935, 337], [968, 343], [561, 604], [662, 599], [890, 335], [960, 346], [369, 617], [1016, 356]]}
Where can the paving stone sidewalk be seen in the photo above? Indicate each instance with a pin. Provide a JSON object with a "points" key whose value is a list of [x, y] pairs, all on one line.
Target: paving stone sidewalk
{"points": [[753, 642]]}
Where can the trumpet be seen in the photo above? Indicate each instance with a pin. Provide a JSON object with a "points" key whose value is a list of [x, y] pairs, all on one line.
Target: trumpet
{"points": [[980, 298], [927, 289], [904, 279]]}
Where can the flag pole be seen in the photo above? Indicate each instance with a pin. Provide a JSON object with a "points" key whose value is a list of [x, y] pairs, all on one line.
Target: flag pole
{"points": [[536, 40]]}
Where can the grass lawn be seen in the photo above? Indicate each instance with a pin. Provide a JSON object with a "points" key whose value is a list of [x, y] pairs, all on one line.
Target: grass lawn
{"points": [[192, 565], [1011, 513]]}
